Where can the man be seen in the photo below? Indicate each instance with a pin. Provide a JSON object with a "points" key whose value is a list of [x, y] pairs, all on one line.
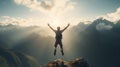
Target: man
{"points": [[58, 38]]}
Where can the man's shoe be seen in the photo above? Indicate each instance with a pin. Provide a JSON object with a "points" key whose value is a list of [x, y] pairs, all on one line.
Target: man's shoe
{"points": [[62, 52]]}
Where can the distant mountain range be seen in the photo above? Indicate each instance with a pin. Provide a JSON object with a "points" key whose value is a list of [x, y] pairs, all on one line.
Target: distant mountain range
{"points": [[98, 42]]}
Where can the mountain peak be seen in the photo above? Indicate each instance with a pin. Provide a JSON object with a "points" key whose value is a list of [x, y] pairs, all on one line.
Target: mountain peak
{"points": [[78, 62]]}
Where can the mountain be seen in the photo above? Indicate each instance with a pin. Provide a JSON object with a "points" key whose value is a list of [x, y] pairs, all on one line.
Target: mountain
{"points": [[10, 58], [104, 22], [99, 43], [117, 27]]}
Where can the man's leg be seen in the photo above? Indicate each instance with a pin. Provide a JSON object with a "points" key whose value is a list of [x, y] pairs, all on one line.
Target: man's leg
{"points": [[61, 46], [56, 43]]}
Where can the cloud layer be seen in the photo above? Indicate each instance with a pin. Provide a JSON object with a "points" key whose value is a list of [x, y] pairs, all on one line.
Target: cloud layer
{"points": [[103, 26], [5, 20], [53, 6]]}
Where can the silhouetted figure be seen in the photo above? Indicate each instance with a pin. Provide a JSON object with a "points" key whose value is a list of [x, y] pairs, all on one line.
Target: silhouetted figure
{"points": [[58, 38]]}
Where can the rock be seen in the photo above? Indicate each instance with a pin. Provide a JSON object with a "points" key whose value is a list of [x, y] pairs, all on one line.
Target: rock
{"points": [[79, 62]]}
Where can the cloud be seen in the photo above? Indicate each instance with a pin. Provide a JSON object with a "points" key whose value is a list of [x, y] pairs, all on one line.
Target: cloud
{"points": [[35, 4], [103, 26], [54, 6], [5, 20], [115, 16], [55, 12]]}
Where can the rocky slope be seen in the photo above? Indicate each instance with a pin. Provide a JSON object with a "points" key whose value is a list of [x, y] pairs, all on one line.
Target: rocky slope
{"points": [[9, 58], [79, 62]]}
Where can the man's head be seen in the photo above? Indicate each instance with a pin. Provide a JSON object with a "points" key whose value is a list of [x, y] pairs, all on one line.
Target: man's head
{"points": [[58, 28]]}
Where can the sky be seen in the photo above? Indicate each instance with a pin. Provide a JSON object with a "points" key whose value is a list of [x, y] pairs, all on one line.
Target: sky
{"points": [[60, 13], [55, 12]]}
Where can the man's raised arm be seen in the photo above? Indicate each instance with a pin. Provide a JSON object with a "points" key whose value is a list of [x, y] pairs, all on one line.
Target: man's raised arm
{"points": [[66, 27], [51, 27]]}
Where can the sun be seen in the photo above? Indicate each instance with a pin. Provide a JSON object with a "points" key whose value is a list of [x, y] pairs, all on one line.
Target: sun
{"points": [[56, 22]]}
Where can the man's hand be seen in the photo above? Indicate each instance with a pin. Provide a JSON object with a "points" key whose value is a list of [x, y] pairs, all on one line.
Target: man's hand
{"points": [[50, 27], [68, 24], [48, 24], [66, 27]]}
